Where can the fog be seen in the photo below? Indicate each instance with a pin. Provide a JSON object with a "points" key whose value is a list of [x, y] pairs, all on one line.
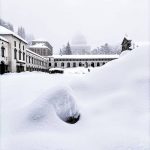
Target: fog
{"points": [[100, 21]]}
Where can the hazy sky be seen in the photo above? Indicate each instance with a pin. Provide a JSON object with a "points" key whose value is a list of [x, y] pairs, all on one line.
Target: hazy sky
{"points": [[99, 20]]}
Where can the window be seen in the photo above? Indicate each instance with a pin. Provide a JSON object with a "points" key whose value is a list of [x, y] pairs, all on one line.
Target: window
{"points": [[49, 64], [19, 45], [80, 64], [23, 47], [86, 64], [62, 64], [29, 59], [19, 55], [92, 64], [55, 64], [3, 51], [15, 53], [74, 64], [14, 43], [23, 56], [68, 65], [98, 64]]}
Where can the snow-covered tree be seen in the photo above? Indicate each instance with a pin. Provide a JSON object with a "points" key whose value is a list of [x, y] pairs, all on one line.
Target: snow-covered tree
{"points": [[68, 49], [95, 51], [21, 32], [6, 24], [29, 38], [106, 49]]}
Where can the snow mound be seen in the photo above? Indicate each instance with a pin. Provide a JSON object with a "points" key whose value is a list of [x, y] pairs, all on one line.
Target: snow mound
{"points": [[113, 101]]}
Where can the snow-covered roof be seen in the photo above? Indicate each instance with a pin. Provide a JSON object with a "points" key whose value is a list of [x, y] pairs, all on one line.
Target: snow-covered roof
{"points": [[85, 56], [35, 54], [40, 40], [39, 45], [4, 31], [3, 39]]}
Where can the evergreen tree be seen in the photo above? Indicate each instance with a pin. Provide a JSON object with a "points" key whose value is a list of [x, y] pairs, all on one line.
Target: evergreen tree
{"points": [[68, 49], [21, 32]]}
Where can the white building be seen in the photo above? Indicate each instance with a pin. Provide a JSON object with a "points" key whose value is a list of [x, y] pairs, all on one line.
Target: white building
{"points": [[41, 47], [79, 45], [15, 57], [35, 62], [70, 61], [16, 50]]}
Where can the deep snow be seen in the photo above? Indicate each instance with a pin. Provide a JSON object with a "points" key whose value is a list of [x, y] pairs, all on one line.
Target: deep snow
{"points": [[113, 101]]}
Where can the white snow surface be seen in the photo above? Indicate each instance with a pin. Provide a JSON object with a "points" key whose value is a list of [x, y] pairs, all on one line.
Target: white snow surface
{"points": [[113, 101], [85, 56], [39, 45]]}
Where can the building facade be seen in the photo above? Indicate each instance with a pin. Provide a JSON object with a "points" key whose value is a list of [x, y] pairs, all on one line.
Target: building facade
{"points": [[35, 62], [41, 47], [16, 50], [15, 57], [79, 45], [71, 61]]}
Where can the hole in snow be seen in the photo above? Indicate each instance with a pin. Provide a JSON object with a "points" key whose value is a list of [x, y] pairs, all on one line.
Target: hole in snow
{"points": [[65, 105], [73, 119]]}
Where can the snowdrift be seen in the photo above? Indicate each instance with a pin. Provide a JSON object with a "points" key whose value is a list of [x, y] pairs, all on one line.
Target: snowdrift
{"points": [[113, 101]]}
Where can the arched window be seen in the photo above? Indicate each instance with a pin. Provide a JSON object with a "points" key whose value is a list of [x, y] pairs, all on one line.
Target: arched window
{"points": [[68, 65], [55, 64], [3, 51], [32, 60], [29, 59], [103, 63], [74, 64], [92, 64], [23, 55], [80, 64], [19, 55], [98, 64], [86, 64], [62, 64]]}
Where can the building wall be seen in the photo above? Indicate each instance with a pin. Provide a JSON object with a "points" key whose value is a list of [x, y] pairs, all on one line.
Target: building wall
{"points": [[20, 47], [42, 51], [70, 63], [35, 62], [28, 60]]}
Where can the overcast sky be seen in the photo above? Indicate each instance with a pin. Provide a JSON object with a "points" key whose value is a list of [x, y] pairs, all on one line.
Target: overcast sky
{"points": [[100, 21]]}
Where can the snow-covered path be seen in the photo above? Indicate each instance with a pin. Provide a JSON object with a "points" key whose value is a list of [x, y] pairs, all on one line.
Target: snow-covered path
{"points": [[113, 101]]}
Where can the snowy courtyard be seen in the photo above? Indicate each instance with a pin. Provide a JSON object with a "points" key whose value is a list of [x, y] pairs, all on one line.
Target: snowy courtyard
{"points": [[112, 101]]}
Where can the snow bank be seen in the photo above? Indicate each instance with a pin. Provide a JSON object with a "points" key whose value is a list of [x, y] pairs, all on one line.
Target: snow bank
{"points": [[113, 101]]}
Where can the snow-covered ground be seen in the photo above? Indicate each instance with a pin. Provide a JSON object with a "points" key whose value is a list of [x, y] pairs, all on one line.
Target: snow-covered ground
{"points": [[113, 102]]}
